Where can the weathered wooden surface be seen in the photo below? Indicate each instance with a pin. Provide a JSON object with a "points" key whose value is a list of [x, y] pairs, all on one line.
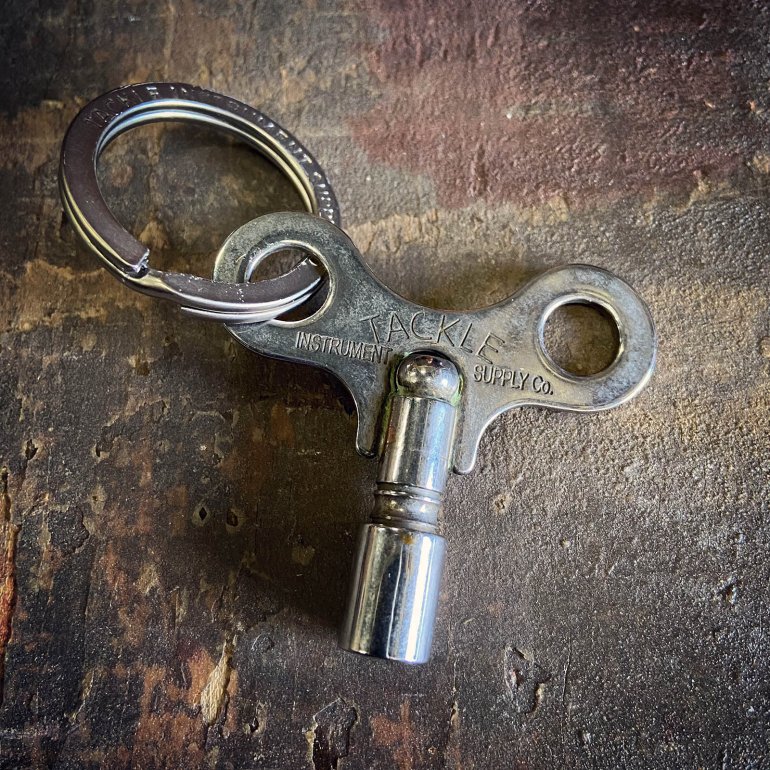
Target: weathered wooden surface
{"points": [[178, 516]]}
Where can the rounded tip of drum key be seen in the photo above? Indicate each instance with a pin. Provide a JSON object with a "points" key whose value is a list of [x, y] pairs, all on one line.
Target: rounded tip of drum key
{"points": [[426, 382]]}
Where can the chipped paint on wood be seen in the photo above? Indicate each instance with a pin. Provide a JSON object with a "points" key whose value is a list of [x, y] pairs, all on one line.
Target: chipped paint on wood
{"points": [[214, 693]]}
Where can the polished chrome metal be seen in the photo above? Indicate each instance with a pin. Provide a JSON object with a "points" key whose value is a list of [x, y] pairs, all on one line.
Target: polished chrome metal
{"points": [[416, 451], [100, 121], [426, 383], [363, 329], [394, 593], [453, 373]]}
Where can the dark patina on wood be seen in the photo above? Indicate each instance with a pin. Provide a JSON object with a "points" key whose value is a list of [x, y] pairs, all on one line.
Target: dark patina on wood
{"points": [[177, 516]]}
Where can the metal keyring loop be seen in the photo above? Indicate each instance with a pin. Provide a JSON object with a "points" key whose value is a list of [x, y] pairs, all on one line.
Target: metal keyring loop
{"points": [[103, 119]]}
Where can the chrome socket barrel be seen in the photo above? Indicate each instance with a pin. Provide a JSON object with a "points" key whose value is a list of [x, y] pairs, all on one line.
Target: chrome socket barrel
{"points": [[397, 577]]}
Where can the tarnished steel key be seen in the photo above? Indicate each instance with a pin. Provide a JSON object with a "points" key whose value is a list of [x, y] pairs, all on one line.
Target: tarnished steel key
{"points": [[426, 384]]}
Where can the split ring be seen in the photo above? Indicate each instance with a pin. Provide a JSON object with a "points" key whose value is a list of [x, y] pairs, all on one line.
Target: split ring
{"points": [[103, 119]]}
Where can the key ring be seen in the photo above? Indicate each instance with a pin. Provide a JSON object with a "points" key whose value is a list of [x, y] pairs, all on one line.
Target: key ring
{"points": [[106, 117]]}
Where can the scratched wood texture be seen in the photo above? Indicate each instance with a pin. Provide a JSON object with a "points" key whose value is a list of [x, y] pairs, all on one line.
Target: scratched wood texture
{"points": [[178, 516]]}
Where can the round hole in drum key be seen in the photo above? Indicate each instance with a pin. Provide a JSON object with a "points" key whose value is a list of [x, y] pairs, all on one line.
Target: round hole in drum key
{"points": [[581, 338], [426, 382]]}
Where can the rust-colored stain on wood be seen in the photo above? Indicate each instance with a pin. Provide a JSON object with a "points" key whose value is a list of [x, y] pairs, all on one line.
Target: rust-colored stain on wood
{"points": [[587, 101], [9, 532]]}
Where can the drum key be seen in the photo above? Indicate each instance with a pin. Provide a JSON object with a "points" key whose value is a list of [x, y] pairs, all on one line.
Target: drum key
{"points": [[426, 383]]}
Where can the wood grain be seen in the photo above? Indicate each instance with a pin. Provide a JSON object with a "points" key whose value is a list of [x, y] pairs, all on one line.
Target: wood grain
{"points": [[178, 516]]}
